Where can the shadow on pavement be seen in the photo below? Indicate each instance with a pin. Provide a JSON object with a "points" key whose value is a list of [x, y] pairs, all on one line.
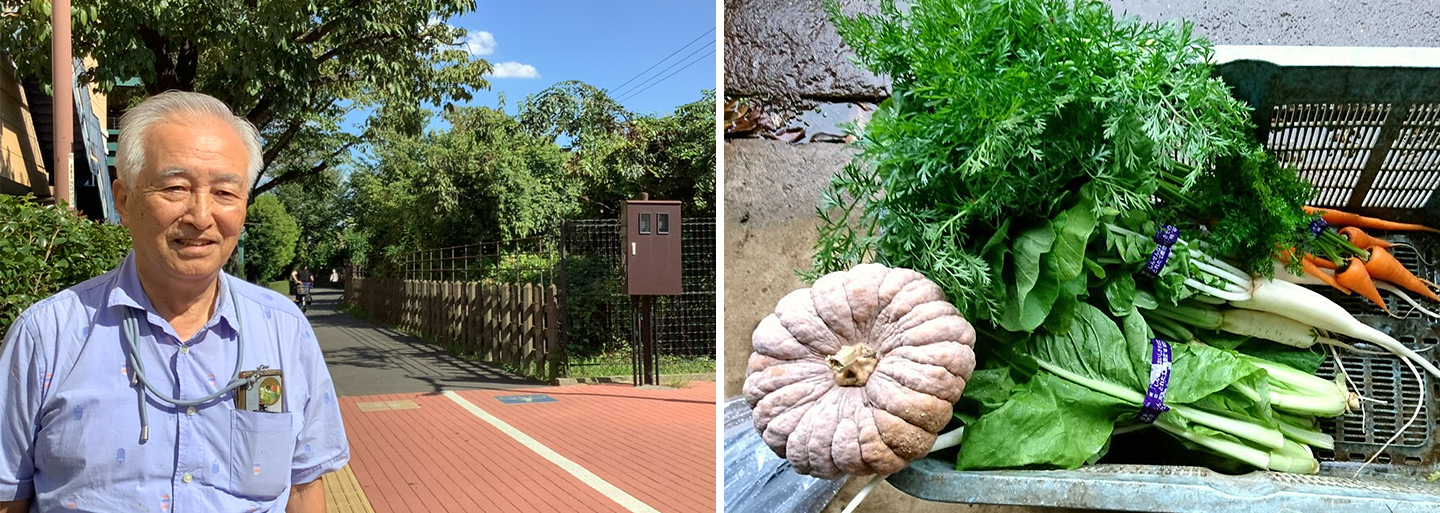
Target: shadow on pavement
{"points": [[367, 359]]}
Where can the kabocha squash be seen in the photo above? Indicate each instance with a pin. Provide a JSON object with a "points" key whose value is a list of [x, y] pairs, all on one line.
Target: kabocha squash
{"points": [[858, 373]]}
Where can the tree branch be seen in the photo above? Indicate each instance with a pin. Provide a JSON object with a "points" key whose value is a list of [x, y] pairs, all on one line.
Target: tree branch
{"points": [[357, 43], [294, 175], [260, 114], [324, 29], [282, 142], [164, 67]]}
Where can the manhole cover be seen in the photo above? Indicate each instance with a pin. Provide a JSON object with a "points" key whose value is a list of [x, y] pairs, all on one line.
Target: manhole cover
{"points": [[525, 399]]}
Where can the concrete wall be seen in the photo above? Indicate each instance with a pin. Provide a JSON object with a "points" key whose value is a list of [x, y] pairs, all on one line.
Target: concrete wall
{"points": [[785, 52]]}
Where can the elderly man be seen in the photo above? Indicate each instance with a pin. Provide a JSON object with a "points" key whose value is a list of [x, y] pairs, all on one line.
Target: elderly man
{"points": [[165, 384]]}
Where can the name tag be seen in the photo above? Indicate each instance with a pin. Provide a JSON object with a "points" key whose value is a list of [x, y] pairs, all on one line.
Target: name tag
{"points": [[263, 391]]}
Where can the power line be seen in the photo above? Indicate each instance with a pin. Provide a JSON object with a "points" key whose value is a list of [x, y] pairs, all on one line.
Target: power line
{"points": [[711, 46], [667, 57], [692, 63]]}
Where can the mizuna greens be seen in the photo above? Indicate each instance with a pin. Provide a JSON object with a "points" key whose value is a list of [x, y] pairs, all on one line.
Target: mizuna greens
{"points": [[1029, 157]]}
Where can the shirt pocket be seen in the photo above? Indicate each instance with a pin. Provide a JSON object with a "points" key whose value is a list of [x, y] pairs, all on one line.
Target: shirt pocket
{"points": [[261, 447]]}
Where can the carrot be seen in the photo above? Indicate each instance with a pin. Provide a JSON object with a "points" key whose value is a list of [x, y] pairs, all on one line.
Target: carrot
{"points": [[1384, 266], [1356, 278], [1309, 265], [1359, 238], [1321, 262], [1348, 219]]}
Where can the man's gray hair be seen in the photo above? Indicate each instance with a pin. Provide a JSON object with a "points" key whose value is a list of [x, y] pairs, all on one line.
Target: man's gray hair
{"points": [[178, 106]]}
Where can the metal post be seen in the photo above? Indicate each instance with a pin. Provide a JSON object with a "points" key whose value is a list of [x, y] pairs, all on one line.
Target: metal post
{"points": [[562, 301], [61, 69], [647, 340]]}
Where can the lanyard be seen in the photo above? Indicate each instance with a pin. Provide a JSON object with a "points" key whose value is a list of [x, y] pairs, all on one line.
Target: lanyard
{"points": [[137, 377]]}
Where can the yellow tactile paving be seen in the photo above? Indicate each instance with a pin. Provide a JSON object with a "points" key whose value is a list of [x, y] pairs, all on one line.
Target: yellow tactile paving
{"points": [[343, 493], [405, 404]]}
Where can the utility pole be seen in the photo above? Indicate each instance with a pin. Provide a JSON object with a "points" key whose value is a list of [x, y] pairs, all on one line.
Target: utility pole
{"points": [[61, 69]]}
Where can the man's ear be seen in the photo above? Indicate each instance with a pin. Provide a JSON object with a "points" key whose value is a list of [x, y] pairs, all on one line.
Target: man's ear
{"points": [[122, 198]]}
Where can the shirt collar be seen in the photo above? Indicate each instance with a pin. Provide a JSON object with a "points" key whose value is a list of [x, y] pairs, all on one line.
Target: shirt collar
{"points": [[128, 292]]}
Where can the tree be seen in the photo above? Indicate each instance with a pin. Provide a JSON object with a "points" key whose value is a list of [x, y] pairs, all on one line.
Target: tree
{"points": [[579, 113], [616, 155], [670, 157], [270, 237], [292, 67], [483, 179], [318, 205]]}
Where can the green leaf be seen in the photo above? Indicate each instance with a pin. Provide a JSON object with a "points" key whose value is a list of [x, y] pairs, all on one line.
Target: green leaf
{"points": [[1120, 294], [1025, 312], [1059, 425], [1073, 230], [987, 390], [1199, 371], [1062, 311], [1095, 348], [1305, 360]]}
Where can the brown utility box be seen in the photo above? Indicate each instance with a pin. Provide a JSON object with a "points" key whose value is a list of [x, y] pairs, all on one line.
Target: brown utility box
{"points": [[651, 251]]}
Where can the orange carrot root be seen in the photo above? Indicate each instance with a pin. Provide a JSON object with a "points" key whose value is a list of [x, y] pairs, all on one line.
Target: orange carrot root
{"points": [[1356, 278], [1337, 217], [1309, 265], [1384, 266], [1321, 263], [1361, 239]]}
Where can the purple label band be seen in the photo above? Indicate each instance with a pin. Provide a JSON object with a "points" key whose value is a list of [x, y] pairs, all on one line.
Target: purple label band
{"points": [[1165, 237], [1159, 380], [1318, 226]]}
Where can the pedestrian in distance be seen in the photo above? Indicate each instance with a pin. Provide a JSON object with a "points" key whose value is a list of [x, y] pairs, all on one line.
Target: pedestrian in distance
{"points": [[304, 284]]}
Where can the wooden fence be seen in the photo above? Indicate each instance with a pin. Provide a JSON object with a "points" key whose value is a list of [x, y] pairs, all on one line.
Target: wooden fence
{"points": [[510, 323]]}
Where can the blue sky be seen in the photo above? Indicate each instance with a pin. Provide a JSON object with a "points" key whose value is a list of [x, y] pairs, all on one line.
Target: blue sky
{"points": [[601, 43], [604, 44]]}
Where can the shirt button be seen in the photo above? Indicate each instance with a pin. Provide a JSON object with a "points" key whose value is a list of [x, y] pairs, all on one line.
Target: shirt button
{"points": [[190, 411], [184, 349], [186, 478]]}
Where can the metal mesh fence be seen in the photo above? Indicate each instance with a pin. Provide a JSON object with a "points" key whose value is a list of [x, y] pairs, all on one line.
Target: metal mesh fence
{"points": [[527, 260], [600, 319]]}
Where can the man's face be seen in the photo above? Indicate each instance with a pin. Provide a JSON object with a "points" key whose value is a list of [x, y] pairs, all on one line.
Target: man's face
{"points": [[187, 206]]}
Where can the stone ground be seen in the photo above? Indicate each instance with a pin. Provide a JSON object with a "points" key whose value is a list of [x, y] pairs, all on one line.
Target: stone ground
{"points": [[784, 49]]}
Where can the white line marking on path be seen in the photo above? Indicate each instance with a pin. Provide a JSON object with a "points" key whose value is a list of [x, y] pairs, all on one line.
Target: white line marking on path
{"points": [[581, 473]]}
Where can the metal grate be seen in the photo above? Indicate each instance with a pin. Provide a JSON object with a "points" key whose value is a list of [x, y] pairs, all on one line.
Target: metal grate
{"points": [[1411, 169], [1329, 143], [1384, 377]]}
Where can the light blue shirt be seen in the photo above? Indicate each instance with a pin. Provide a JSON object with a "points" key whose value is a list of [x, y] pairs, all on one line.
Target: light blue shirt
{"points": [[70, 431]]}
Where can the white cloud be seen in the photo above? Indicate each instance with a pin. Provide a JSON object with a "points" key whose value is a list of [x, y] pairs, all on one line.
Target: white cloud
{"points": [[480, 43], [514, 69]]}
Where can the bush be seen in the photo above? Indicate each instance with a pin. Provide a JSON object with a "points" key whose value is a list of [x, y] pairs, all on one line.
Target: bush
{"points": [[270, 237], [45, 249]]}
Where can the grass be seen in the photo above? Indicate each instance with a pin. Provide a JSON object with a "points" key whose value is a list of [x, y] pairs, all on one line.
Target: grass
{"points": [[618, 364], [282, 286]]}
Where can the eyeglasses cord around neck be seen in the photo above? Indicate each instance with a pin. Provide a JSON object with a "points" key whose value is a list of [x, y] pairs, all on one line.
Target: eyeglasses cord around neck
{"points": [[137, 375]]}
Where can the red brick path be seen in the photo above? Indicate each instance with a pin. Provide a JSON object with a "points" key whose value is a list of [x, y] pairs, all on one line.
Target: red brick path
{"points": [[656, 445]]}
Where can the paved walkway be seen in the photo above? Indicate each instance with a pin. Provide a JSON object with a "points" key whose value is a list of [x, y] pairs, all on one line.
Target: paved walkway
{"points": [[366, 359], [430, 432]]}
